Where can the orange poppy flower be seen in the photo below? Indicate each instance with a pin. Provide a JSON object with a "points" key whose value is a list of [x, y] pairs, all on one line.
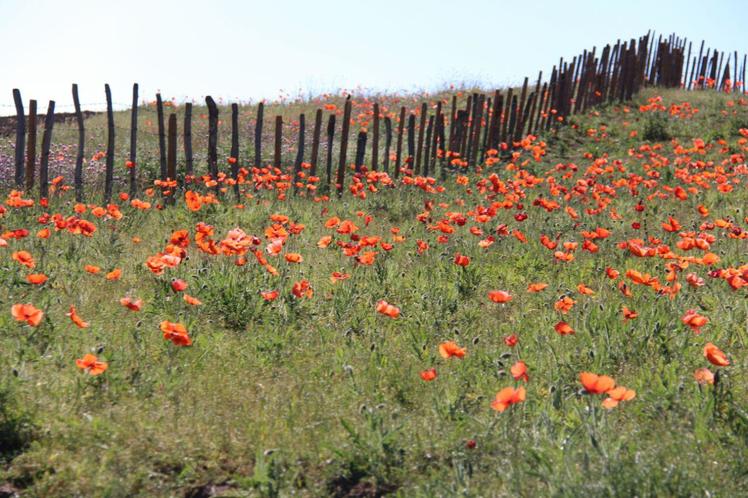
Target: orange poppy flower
{"points": [[27, 313], [92, 269], [596, 384], [114, 274], [388, 309], [324, 241], [338, 276], [449, 349], [629, 314], [176, 333], [191, 300], [617, 395], [583, 289], [428, 375], [507, 397], [131, 304], [293, 257], [565, 304], [715, 355], [178, 285], [563, 328], [461, 260], [536, 287], [499, 296], [91, 365], [703, 376], [519, 371], [24, 258], [302, 288], [269, 295], [694, 320], [73, 314], [36, 278]]}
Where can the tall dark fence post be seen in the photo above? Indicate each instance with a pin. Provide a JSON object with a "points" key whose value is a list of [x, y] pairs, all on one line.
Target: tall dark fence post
{"points": [[49, 121], [212, 137], [20, 136], [330, 139], [411, 140], [134, 141], [427, 153], [375, 139], [421, 129], [360, 150], [387, 142], [315, 141], [299, 153], [161, 136], [399, 146], [278, 138], [31, 148], [340, 181], [188, 163], [171, 158], [109, 175], [258, 134], [78, 175], [234, 159]]}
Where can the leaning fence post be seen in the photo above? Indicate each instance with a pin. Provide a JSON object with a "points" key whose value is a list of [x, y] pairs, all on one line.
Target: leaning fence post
{"points": [[109, 176], [133, 140], [49, 121], [20, 136], [31, 147]]}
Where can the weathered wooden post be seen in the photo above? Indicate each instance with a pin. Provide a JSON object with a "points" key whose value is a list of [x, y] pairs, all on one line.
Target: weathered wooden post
{"points": [[315, 141], [258, 134], [78, 175], [109, 175], [340, 181], [188, 162], [387, 142], [375, 139], [49, 121], [330, 139], [299, 154], [161, 136], [212, 137], [31, 148], [20, 136], [234, 159], [133, 141], [171, 158], [399, 146]]}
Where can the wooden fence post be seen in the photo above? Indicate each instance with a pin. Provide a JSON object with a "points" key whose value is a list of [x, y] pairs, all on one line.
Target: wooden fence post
{"points": [[49, 121], [31, 148], [427, 152], [330, 139], [340, 181], [360, 150], [258, 134], [20, 136], [188, 166], [161, 136], [399, 146], [212, 138], [278, 138], [235, 148], [299, 153], [78, 176], [315, 141], [133, 141], [411, 140], [109, 175], [171, 158], [375, 139], [419, 146], [387, 143]]}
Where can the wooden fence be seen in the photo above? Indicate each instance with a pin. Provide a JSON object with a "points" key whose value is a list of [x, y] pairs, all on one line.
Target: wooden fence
{"points": [[432, 142]]}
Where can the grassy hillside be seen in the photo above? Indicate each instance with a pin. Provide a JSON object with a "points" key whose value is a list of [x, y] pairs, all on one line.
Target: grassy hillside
{"points": [[635, 218]]}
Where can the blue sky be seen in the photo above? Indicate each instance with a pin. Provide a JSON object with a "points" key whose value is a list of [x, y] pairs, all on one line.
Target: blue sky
{"points": [[242, 50]]}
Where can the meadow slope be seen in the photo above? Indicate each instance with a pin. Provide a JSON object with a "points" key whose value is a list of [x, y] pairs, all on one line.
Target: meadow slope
{"points": [[634, 216]]}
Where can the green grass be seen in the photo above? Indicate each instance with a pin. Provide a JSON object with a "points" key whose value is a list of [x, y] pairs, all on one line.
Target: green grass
{"points": [[322, 396]]}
